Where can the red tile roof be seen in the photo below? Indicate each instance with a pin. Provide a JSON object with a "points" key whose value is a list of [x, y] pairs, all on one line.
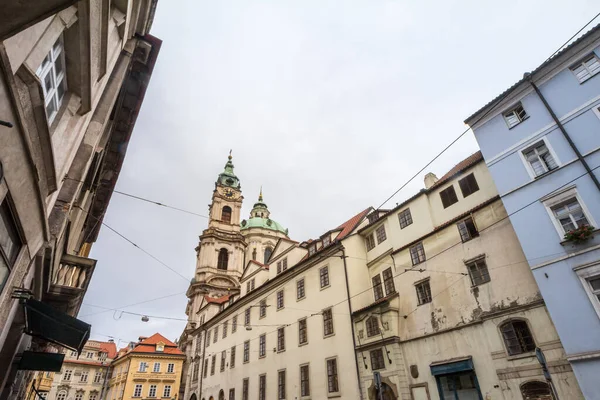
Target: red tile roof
{"points": [[148, 345], [217, 300], [348, 226], [458, 168], [110, 348]]}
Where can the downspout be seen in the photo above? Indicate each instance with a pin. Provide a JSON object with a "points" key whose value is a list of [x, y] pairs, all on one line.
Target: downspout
{"points": [[564, 132], [202, 363], [352, 324]]}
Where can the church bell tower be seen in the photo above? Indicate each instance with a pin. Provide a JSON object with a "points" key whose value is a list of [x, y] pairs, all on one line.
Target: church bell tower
{"points": [[220, 253]]}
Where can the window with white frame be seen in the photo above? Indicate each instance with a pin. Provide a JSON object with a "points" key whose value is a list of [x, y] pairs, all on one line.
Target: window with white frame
{"points": [[98, 377], [590, 279], [137, 392], [167, 391], [569, 214], [84, 376], [143, 366], [515, 115], [152, 391], [587, 68], [170, 368], [156, 367], [67, 375], [54, 80], [539, 158]]}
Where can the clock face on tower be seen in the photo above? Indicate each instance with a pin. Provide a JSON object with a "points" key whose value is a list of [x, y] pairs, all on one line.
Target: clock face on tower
{"points": [[228, 193]]}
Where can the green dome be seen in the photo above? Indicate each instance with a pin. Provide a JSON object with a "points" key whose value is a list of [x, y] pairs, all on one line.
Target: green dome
{"points": [[265, 223]]}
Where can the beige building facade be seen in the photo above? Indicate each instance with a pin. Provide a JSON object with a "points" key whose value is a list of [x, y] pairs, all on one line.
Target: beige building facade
{"points": [[84, 376], [446, 305], [435, 297], [72, 79]]}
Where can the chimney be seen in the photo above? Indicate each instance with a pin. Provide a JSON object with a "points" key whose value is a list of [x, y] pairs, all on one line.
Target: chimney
{"points": [[111, 340], [430, 180], [141, 338]]}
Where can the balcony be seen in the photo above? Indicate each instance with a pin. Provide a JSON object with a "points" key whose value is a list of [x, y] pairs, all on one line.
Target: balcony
{"points": [[68, 282]]}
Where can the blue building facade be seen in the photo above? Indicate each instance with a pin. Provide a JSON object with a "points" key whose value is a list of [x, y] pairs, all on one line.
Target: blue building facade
{"points": [[541, 142]]}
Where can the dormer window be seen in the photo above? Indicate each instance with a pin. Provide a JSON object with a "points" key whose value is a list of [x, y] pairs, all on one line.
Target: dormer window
{"points": [[160, 347], [326, 241], [515, 115], [374, 216], [312, 249]]}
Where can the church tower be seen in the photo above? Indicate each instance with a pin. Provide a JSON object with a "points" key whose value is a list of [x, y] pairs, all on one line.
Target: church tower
{"points": [[220, 253]]}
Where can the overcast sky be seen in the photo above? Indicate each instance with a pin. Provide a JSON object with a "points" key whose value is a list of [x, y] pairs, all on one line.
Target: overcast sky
{"points": [[329, 105]]}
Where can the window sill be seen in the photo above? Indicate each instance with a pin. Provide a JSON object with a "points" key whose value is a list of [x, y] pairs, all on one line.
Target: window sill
{"points": [[300, 299], [263, 356], [515, 125], [334, 395], [531, 354], [302, 344], [569, 243], [422, 304], [325, 287], [280, 308], [328, 336], [281, 351]]}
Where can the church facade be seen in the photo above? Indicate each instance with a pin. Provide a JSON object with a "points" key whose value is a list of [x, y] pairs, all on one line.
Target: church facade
{"points": [[385, 301]]}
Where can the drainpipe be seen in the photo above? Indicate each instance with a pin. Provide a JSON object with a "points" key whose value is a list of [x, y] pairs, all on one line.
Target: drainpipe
{"points": [[564, 131], [352, 323], [201, 362]]}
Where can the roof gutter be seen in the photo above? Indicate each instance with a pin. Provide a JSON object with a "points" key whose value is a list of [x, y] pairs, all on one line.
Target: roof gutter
{"points": [[529, 78]]}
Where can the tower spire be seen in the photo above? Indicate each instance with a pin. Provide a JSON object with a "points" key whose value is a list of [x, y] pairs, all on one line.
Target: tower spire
{"points": [[260, 197], [228, 177]]}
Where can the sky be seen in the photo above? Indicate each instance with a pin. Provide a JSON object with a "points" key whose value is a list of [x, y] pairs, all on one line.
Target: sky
{"points": [[330, 106]]}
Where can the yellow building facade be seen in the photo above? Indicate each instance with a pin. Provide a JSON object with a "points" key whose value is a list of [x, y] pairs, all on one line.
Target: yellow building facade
{"points": [[148, 369]]}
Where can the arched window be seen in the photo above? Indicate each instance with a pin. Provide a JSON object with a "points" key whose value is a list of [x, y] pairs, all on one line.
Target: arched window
{"points": [[254, 254], [62, 395], [536, 390], [517, 337], [223, 259], [268, 252], [221, 395], [372, 326], [226, 215]]}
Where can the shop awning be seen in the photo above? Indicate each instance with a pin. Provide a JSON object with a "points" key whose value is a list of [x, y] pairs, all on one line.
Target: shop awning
{"points": [[452, 366], [39, 361], [46, 322]]}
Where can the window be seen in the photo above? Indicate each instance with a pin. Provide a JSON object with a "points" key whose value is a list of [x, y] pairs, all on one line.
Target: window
{"points": [[372, 326], [380, 233], [225, 328], [152, 391], [232, 357], [226, 215], [281, 265], [79, 396], [263, 308], [157, 367], [137, 392], [232, 394], [195, 371], [377, 288], [302, 333], [247, 286], [423, 292], [280, 300], [569, 214], [246, 351], [262, 345], [205, 367], [143, 366], [332, 376], [324, 277], [252, 282], [281, 385], [267, 255], [589, 67], [167, 391], [223, 355], [247, 316], [212, 364], [448, 196], [467, 229], [102, 356], [478, 271], [54, 80], [73, 354], [207, 338], [374, 216], [300, 289], [377, 359], [93, 396], [62, 395], [468, 185], [245, 389], [326, 240], [515, 115], [98, 377], [405, 218], [281, 339], [89, 354], [536, 390], [234, 324], [517, 337], [417, 253], [216, 335], [304, 381], [84, 376], [327, 322], [10, 244], [388, 282], [460, 385], [539, 159], [223, 259], [262, 387], [370, 242]]}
